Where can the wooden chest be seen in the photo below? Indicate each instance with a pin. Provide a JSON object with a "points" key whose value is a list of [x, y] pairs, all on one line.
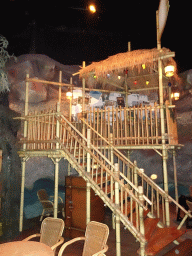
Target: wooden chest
{"points": [[75, 207]]}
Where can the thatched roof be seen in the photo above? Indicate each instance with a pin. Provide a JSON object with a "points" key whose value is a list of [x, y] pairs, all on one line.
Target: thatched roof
{"points": [[130, 63]]}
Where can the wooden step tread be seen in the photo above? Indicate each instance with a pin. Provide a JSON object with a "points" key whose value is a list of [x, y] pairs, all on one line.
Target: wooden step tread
{"points": [[184, 248], [161, 238], [150, 226]]}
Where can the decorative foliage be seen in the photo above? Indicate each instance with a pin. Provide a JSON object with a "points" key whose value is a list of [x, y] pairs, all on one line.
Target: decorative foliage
{"points": [[4, 57]]}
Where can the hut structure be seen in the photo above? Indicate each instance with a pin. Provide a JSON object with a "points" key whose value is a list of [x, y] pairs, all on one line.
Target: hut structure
{"points": [[92, 144], [139, 71]]}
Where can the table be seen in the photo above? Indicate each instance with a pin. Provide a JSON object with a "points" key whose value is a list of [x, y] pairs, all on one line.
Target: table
{"points": [[25, 248]]}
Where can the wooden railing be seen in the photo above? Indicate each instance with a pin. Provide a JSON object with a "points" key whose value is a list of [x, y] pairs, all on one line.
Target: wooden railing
{"points": [[117, 192], [131, 173], [52, 131], [41, 135], [132, 126]]}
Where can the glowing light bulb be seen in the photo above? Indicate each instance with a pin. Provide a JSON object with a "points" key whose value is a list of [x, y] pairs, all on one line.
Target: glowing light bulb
{"points": [[92, 8], [154, 176]]}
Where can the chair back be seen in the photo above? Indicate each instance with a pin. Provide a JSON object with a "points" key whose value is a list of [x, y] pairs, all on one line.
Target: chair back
{"points": [[43, 197], [51, 230], [96, 236]]}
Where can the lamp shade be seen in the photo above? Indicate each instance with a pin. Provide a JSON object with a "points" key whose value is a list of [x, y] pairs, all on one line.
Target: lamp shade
{"points": [[169, 70], [69, 94]]}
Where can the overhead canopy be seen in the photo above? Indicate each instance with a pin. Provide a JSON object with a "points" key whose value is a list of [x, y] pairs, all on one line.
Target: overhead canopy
{"points": [[135, 69]]}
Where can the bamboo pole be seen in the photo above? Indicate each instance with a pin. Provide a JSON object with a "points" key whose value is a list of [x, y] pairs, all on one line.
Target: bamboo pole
{"points": [[175, 178], [162, 117], [141, 220], [56, 162], [24, 160], [118, 235], [88, 190], [60, 81], [83, 100]]}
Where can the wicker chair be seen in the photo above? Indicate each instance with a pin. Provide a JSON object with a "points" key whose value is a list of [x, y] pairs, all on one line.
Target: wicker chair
{"points": [[47, 204], [189, 204], [96, 236], [50, 233]]}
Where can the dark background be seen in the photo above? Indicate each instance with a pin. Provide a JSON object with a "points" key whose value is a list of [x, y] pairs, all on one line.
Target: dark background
{"points": [[67, 33]]}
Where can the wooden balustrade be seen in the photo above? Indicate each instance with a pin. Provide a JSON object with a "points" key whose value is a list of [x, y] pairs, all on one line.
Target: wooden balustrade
{"points": [[138, 125]]}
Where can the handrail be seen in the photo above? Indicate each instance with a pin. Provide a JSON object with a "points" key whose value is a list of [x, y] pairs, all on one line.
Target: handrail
{"points": [[100, 162], [150, 181]]}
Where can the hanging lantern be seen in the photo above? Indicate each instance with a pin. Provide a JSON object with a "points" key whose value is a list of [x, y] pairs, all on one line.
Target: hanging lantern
{"points": [[143, 66], [169, 70], [153, 176], [175, 95], [147, 82], [69, 95]]}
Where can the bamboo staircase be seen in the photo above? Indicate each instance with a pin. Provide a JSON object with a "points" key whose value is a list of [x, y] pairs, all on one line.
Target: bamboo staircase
{"points": [[138, 202]]}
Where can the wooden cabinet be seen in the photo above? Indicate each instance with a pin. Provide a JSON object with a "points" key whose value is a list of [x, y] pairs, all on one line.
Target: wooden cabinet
{"points": [[75, 207]]}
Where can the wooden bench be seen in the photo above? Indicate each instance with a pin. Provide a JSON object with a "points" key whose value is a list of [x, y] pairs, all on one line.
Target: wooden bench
{"points": [[183, 249]]}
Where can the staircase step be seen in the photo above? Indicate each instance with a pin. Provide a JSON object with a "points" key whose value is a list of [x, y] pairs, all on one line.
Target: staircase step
{"points": [[161, 238], [150, 226], [144, 215]]}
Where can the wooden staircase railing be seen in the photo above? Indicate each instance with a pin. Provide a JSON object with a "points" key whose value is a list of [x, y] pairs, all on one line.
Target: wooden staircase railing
{"points": [[138, 125], [52, 131], [131, 173]]}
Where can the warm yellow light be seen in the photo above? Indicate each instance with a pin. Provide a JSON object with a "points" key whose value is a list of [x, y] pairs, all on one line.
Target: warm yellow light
{"points": [[153, 176], [169, 70], [147, 82], [69, 95], [92, 8], [143, 66], [175, 95], [119, 77]]}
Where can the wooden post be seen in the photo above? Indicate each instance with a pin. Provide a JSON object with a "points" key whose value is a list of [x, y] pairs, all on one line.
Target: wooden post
{"points": [[118, 234], [141, 220], [83, 100], [128, 169], [71, 98], [162, 117], [56, 162], [135, 174], [22, 194], [88, 190], [111, 151], [24, 160], [60, 81], [175, 178], [129, 46]]}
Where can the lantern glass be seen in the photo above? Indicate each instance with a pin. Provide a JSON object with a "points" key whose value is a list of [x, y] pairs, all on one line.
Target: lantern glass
{"points": [[175, 95], [69, 95], [154, 176], [169, 70]]}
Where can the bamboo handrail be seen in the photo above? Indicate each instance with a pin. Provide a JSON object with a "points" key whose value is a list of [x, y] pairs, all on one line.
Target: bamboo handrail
{"points": [[149, 181]]}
